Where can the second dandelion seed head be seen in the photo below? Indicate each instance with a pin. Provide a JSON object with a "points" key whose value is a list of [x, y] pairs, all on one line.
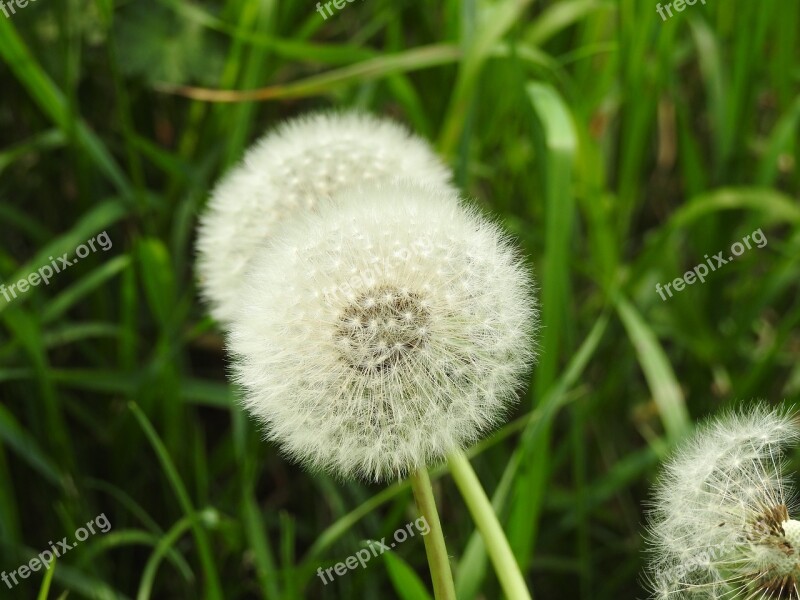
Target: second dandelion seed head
{"points": [[721, 524], [289, 172]]}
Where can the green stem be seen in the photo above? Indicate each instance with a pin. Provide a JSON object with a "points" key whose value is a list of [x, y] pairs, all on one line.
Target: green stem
{"points": [[505, 565], [435, 548]]}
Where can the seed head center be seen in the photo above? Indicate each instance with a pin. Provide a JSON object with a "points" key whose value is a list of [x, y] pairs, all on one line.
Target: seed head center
{"points": [[777, 530], [381, 328]]}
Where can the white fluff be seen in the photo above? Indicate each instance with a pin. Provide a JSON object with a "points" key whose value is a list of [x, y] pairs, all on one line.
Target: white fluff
{"points": [[287, 172], [386, 330], [721, 526]]}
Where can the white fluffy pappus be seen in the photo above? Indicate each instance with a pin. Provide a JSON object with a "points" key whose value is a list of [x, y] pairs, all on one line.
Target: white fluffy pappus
{"points": [[721, 525], [385, 331], [289, 171]]}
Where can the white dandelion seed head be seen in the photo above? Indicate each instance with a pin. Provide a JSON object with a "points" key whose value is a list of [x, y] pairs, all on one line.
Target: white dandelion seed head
{"points": [[386, 330], [721, 524], [287, 172]]}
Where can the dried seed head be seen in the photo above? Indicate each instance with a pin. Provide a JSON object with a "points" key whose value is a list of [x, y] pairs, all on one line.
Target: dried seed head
{"points": [[386, 330], [721, 525]]}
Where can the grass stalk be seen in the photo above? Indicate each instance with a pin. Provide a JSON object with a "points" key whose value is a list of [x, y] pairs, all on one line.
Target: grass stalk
{"points": [[435, 548], [505, 565]]}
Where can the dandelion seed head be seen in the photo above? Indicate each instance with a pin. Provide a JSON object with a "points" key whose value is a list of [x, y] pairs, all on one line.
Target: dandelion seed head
{"points": [[384, 361], [720, 524], [288, 172]]}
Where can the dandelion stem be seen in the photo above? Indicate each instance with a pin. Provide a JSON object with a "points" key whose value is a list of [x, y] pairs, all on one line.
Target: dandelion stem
{"points": [[505, 565], [435, 548]]}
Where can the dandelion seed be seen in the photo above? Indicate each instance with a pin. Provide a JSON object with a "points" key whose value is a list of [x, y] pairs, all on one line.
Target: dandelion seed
{"points": [[721, 524], [287, 173], [408, 364]]}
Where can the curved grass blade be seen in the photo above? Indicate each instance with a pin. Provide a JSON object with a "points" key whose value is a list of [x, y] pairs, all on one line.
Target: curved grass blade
{"points": [[373, 68], [213, 590], [657, 370], [405, 581]]}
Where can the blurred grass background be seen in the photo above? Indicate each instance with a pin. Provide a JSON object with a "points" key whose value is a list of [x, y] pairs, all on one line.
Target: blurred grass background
{"points": [[619, 148]]}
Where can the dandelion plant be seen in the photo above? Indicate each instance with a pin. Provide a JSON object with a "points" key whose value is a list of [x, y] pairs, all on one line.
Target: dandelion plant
{"points": [[721, 526], [378, 324]]}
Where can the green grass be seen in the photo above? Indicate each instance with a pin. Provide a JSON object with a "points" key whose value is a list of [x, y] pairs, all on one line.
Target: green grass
{"points": [[618, 149]]}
